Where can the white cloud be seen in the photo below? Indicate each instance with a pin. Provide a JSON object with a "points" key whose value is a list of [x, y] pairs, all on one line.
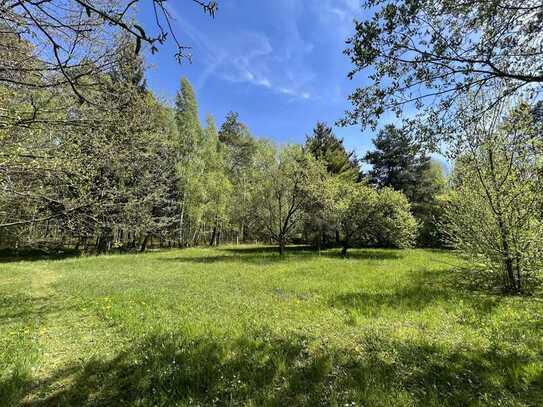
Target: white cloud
{"points": [[295, 93], [277, 60], [341, 13], [247, 59]]}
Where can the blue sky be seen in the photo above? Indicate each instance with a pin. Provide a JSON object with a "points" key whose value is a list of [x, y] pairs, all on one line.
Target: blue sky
{"points": [[278, 63]]}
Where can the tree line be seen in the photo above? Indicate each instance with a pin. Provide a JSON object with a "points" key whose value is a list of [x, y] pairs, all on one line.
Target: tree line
{"points": [[127, 171]]}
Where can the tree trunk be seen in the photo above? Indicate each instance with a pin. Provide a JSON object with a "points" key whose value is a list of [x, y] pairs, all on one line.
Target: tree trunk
{"points": [[337, 236], [196, 235], [519, 283], [103, 244], [512, 283], [323, 237], [281, 247], [144, 243], [181, 222], [508, 258], [78, 243], [344, 248], [212, 240]]}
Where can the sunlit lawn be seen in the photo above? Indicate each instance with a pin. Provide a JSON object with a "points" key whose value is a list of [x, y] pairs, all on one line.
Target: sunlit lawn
{"points": [[240, 326]]}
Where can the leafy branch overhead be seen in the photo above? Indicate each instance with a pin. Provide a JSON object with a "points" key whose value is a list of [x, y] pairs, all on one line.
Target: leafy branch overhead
{"points": [[74, 38], [422, 55]]}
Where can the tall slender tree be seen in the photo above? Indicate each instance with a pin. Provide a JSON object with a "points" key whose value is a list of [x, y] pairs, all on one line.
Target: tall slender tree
{"points": [[240, 149], [190, 166]]}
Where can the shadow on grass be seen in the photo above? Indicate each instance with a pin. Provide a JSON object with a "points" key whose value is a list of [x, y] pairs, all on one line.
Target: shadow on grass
{"points": [[249, 259], [263, 250], [22, 307], [407, 299], [424, 289], [356, 254], [269, 254], [365, 254], [253, 255], [264, 369], [10, 255]]}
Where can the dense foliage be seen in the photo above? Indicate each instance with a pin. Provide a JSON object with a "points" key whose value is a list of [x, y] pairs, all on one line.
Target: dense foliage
{"points": [[400, 163], [447, 69], [129, 171], [370, 217]]}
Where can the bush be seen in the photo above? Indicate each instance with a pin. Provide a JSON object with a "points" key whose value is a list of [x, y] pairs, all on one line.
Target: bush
{"points": [[394, 224], [370, 217]]}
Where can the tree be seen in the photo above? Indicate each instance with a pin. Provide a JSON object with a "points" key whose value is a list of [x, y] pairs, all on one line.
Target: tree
{"points": [[290, 184], [241, 153], [429, 207], [326, 147], [370, 217], [188, 123], [493, 214], [87, 171], [426, 54], [217, 185], [397, 162], [238, 144], [190, 162]]}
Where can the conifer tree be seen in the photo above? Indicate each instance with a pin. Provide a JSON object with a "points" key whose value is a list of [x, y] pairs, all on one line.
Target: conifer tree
{"points": [[324, 145], [397, 162]]}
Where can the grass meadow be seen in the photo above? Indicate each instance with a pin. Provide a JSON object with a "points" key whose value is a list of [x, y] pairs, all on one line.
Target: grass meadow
{"points": [[241, 326]]}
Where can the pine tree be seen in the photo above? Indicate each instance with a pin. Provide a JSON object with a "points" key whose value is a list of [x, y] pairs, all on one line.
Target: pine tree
{"points": [[398, 162], [324, 145]]}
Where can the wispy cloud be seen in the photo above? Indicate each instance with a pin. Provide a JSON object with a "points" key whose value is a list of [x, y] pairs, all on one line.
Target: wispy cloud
{"points": [[294, 92], [275, 63], [279, 58], [339, 13]]}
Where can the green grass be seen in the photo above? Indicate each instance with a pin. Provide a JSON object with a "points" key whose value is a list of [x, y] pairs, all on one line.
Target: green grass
{"points": [[241, 326]]}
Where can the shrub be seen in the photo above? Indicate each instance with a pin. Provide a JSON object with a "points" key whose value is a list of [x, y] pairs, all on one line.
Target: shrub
{"points": [[370, 217]]}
